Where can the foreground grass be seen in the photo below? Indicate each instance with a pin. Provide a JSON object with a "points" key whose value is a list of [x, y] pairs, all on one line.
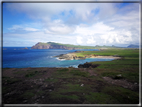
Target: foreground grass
{"points": [[76, 85]]}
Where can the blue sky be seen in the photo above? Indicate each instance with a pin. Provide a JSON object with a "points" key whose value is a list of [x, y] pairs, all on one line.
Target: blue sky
{"points": [[25, 24]]}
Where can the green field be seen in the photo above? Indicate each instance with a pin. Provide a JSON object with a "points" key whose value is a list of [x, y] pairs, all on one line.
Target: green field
{"points": [[100, 85], [116, 51]]}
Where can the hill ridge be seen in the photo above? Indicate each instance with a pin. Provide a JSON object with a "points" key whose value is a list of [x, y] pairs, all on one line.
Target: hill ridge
{"points": [[54, 45]]}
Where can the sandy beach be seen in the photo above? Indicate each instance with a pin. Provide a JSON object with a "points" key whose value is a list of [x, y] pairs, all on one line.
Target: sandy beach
{"points": [[107, 57]]}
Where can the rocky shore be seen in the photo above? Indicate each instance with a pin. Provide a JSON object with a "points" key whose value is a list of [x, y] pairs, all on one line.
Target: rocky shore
{"points": [[73, 56]]}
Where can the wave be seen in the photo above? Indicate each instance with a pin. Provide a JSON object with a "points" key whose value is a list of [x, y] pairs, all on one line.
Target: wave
{"points": [[60, 59]]}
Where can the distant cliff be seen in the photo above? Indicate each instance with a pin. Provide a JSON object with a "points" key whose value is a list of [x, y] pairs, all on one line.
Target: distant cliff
{"points": [[53, 45]]}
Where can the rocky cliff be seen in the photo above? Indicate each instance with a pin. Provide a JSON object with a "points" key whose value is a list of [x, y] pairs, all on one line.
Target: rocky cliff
{"points": [[52, 45]]}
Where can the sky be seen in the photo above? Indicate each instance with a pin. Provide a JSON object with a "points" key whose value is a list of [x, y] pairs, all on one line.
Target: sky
{"points": [[90, 24]]}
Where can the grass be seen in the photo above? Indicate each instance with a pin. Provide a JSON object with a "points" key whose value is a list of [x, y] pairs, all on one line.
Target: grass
{"points": [[111, 74], [109, 52], [70, 87], [31, 73], [99, 98], [131, 76], [63, 70], [79, 73], [71, 92], [123, 95], [128, 68], [51, 80], [10, 80], [28, 94], [64, 98]]}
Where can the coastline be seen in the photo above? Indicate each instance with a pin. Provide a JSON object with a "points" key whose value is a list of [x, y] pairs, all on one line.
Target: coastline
{"points": [[74, 56]]}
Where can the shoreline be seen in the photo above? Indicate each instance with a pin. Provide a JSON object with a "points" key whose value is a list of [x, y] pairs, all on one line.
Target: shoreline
{"points": [[73, 56]]}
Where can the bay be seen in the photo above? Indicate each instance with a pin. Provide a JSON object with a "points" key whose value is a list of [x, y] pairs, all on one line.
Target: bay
{"points": [[18, 57]]}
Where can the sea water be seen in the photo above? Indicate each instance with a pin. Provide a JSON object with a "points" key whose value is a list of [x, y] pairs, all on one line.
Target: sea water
{"points": [[18, 57]]}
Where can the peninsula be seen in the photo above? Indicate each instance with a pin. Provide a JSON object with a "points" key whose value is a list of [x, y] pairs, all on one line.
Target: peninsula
{"points": [[83, 55], [53, 45]]}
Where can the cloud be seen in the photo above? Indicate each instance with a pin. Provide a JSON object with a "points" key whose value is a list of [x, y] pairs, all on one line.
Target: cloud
{"points": [[93, 29], [79, 40], [80, 11], [22, 28], [58, 27], [78, 23], [117, 37], [91, 40], [30, 29]]}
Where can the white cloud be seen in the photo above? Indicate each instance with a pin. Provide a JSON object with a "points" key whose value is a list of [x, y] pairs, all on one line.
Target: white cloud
{"points": [[91, 40], [14, 27], [58, 27], [82, 11], [117, 37], [19, 28], [30, 29], [79, 23], [93, 29], [79, 40]]}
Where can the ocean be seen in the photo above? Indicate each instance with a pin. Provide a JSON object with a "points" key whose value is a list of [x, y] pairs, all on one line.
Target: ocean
{"points": [[18, 57]]}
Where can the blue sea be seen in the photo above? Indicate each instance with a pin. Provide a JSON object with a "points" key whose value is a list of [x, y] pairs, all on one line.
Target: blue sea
{"points": [[18, 57]]}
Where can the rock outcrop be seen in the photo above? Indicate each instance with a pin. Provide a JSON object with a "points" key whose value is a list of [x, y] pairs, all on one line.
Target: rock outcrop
{"points": [[88, 65]]}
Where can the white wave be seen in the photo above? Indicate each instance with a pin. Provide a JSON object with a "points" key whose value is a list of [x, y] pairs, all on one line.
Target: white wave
{"points": [[60, 59]]}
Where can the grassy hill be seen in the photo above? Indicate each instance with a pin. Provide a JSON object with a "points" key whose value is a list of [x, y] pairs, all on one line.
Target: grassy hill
{"points": [[70, 46]]}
